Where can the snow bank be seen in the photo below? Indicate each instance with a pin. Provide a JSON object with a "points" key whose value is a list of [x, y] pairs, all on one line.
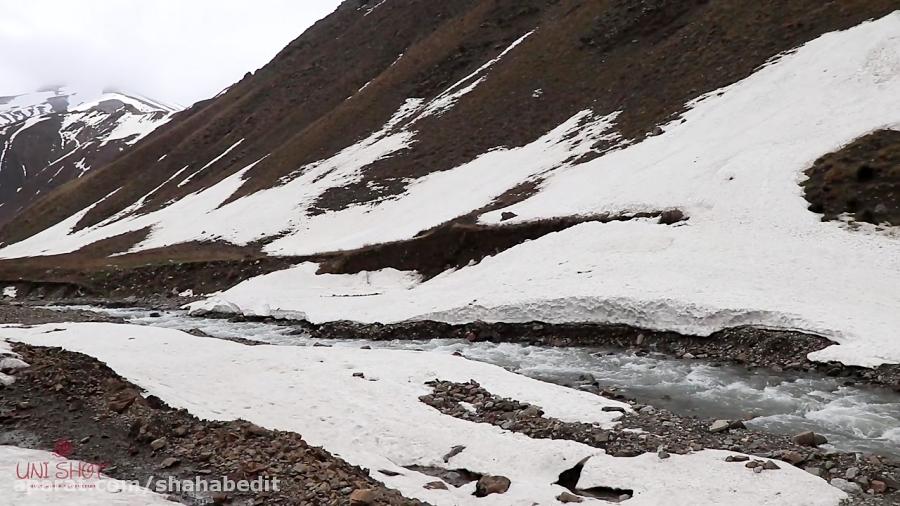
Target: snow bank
{"points": [[9, 362], [378, 422], [106, 491]]}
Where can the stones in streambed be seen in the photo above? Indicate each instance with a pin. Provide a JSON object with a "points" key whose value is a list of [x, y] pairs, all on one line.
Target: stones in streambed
{"points": [[847, 486], [809, 438], [725, 425], [488, 485]]}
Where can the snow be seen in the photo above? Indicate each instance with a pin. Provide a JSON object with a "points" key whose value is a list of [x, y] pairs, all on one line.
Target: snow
{"points": [[377, 422], [751, 253], [106, 491], [134, 127], [10, 292], [451, 95], [211, 162], [9, 361]]}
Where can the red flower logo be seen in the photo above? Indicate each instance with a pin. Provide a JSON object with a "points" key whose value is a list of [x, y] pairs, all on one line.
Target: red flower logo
{"points": [[63, 448]]}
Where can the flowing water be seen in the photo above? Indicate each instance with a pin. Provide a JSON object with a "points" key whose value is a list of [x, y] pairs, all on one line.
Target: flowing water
{"points": [[853, 418]]}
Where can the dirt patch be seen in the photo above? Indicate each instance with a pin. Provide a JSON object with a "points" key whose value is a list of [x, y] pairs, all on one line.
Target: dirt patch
{"points": [[455, 245], [861, 179], [105, 420]]}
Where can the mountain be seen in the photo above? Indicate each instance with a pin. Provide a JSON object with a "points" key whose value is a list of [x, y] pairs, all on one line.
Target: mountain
{"points": [[52, 136], [665, 164]]}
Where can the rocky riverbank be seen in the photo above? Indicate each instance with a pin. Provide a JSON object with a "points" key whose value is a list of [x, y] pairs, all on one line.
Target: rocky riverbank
{"points": [[71, 403], [869, 479]]}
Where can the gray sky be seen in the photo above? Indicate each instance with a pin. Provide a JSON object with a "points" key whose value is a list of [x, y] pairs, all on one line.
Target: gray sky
{"points": [[173, 50]]}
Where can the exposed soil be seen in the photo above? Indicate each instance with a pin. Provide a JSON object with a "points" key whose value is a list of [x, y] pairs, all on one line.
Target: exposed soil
{"points": [[862, 179], [455, 245], [70, 397], [648, 430], [208, 267]]}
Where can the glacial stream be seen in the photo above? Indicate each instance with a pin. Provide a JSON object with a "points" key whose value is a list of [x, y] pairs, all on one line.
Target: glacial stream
{"points": [[853, 418]]}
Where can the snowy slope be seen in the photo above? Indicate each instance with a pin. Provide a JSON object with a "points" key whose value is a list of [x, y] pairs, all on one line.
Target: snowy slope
{"points": [[751, 252], [48, 138], [378, 422]]}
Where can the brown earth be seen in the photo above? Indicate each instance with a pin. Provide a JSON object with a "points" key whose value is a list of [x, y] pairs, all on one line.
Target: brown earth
{"points": [[646, 58], [862, 179]]}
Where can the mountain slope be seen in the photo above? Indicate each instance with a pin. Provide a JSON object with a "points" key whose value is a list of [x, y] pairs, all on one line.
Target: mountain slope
{"points": [[640, 59], [50, 137], [581, 127]]}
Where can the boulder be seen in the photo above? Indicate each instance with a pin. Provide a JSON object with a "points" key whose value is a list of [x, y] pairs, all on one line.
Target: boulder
{"points": [[809, 438], [363, 497], [846, 486], [488, 485]]}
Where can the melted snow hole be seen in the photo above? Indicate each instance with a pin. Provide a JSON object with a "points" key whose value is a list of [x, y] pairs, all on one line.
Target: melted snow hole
{"points": [[853, 418]]}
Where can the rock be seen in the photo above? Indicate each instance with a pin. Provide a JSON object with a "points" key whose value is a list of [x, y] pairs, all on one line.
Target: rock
{"points": [[531, 412], [809, 438], [851, 473], [670, 216], [737, 458], [815, 471], [159, 443], [608, 409], [878, 486], [647, 410], [435, 485], [661, 453], [456, 450], [753, 464], [122, 400], [720, 426], [846, 486], [155, 314], [488, 485], [567, 497], [359, 375], [792, 457], [506, 215], [363, 497], [169, 462], [770, 466]]}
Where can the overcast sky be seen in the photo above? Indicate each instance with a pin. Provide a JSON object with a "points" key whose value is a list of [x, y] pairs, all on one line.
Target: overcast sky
{"points": [[173, 50]]}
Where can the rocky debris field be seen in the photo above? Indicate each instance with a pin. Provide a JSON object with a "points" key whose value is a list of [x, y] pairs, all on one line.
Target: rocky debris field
{"points": [[869, 479], [71, 399]]}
